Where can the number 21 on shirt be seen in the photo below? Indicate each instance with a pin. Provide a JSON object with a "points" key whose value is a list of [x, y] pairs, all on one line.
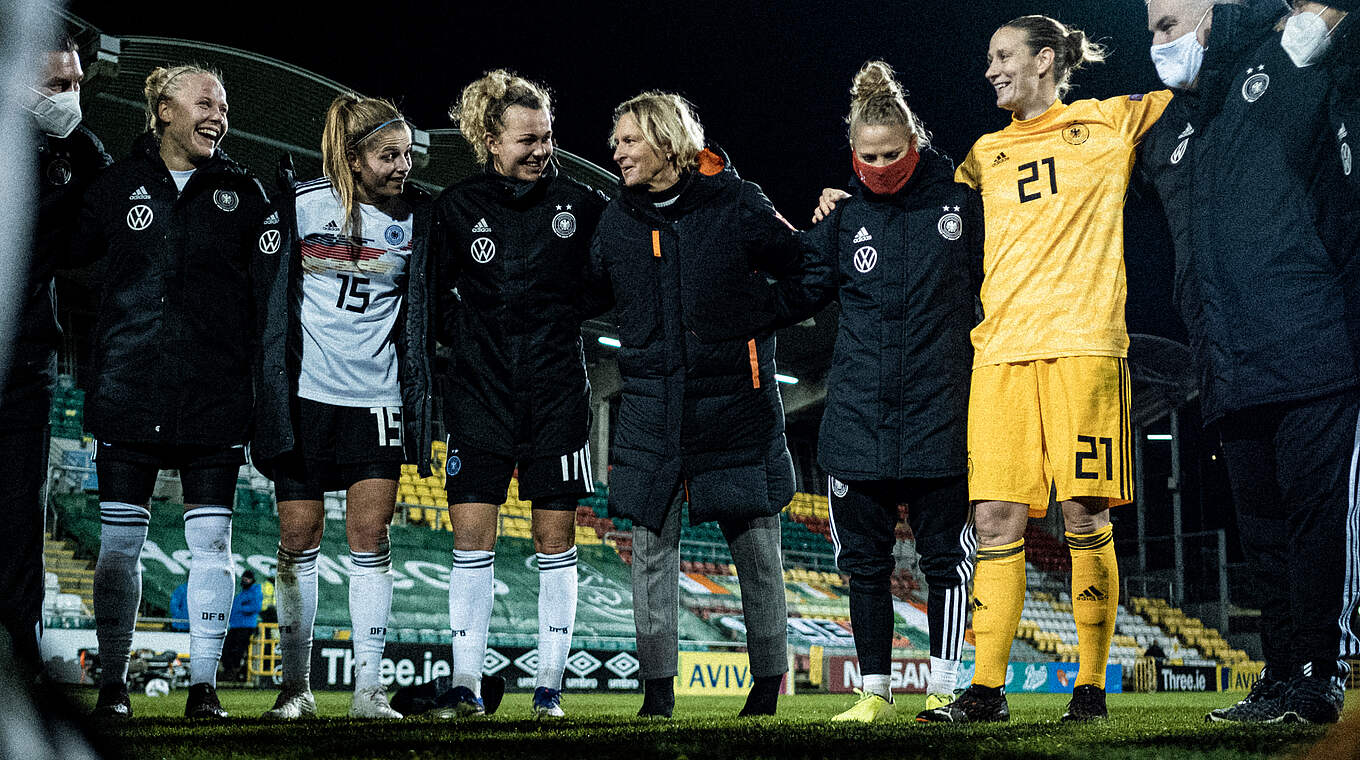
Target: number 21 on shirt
{"points": [[1029, 174]]}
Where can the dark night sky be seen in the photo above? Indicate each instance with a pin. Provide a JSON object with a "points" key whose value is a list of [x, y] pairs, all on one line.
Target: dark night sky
{"points": [[770, 79]]}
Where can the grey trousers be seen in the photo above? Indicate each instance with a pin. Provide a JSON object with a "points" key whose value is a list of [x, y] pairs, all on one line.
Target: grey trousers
{"points": [[656, 579]]}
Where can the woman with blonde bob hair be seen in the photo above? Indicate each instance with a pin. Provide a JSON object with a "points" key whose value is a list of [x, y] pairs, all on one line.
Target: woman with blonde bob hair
{"points": [[900, 247], [345, 394], [512, 248], [701, 270]]}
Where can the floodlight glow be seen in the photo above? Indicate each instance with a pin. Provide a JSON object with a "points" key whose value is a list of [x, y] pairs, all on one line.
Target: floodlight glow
{"points": [[605, 340], [786, 379]]}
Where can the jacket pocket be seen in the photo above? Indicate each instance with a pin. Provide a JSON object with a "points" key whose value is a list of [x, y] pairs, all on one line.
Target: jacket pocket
{"points": [[746, 491]]}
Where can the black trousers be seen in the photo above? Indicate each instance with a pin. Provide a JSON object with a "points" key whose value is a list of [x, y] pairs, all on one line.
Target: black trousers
{"points": [[234, 652], [23, 506], [1294, 487], [864, 516]]}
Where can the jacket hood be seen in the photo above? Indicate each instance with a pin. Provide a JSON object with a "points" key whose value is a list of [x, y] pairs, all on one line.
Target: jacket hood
{"points": [[714, 172]]}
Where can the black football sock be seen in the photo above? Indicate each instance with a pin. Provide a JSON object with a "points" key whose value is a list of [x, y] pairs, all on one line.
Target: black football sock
{"points": [[764, 696], [658, 698]]}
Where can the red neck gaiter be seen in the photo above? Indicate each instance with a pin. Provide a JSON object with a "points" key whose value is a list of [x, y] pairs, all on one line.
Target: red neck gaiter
{"points": [[886, 180]]}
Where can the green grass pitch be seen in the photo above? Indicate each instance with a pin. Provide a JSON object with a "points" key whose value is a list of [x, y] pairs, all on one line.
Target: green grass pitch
{"points": [[600, 726]]}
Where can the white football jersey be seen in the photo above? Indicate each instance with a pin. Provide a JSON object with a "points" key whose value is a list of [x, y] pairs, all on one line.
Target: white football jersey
{"points": [[352, 289]]}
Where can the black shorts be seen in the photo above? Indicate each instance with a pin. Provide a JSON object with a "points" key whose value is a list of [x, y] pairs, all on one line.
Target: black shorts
{"points": [[473, 476], [127, 471], [339, 446]]}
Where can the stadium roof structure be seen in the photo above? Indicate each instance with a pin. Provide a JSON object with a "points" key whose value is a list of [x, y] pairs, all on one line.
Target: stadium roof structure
{"points": [[1163, 377], [278, 109]]}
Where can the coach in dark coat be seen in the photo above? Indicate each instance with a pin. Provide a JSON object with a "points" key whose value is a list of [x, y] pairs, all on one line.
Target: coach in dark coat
{"points": [[1257, 184], [701, 270], [69, 158]]}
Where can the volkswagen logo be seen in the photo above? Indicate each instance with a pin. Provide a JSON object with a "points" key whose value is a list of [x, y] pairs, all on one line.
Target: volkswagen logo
{"points": [[865, 259], [269, 241], [483, 250], [139, 217]]}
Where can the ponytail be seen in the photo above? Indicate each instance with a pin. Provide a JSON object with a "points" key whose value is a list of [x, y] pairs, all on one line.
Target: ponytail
{"points": [[1071, 47], [350, 120], [877, 98]]}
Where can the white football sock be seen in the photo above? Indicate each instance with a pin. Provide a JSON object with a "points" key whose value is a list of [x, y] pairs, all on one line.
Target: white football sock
{"points": [[880, 684], [118, 585], [943, 675], [556, 615], [370, 603], [295, 594], [212, 585], [472, 590]]}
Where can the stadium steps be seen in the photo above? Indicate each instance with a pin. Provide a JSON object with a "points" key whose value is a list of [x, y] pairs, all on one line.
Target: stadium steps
{"points": [[68, 594], [1189, 631], [74, 576]]}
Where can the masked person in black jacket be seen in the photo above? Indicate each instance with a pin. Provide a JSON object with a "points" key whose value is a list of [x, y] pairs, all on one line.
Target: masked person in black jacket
{"points": [[513, 249], [182, 231], [701, 270], [1253, 177], [895, 426], [69, 158], [345, 383]]}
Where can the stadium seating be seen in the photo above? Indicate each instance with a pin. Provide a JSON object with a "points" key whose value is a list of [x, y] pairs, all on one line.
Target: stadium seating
{"points": [[68, 410], [710, 593], [68, 587]]}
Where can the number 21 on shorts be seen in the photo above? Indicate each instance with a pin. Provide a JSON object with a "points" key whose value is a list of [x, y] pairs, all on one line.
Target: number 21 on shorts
{"points": [[1090, 443]]}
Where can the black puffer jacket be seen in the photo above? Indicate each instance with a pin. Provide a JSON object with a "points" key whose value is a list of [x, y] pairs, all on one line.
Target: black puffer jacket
{"points": [[175, 335], [280, 362], [66, 167], [1265, 226], [511, 263], [696, 317], [897, 395]]}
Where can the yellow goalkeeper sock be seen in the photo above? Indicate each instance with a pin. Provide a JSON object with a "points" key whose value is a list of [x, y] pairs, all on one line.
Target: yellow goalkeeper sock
{"points": [[1095, 601], [998, 599]]}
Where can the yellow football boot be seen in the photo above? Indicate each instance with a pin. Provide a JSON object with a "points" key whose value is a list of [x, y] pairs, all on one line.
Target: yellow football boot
{"points": [[871, 708]]}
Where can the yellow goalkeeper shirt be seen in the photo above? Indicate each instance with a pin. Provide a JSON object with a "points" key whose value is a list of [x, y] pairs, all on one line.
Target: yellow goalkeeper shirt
{"points": [[1053, 199]]}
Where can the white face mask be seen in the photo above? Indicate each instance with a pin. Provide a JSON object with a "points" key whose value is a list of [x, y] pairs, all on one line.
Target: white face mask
{"points": [[57, 115], [1306, 38], [1178, 61]]}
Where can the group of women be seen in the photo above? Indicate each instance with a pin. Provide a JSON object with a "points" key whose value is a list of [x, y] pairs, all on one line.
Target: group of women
{"points": [[337, 293]]}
